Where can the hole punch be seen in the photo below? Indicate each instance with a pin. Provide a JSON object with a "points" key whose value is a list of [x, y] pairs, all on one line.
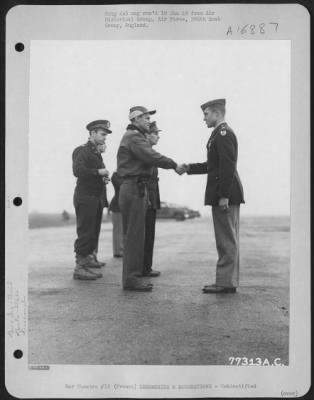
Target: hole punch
{"points": [[18, 354], [19, 47], [17, 201]]}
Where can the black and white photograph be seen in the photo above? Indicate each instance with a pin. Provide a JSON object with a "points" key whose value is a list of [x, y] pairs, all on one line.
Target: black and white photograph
{"points": [[223, 153], [161, 202]]}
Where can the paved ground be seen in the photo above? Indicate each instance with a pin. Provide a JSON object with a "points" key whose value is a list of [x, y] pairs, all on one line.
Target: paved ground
{"points": [[76, 322]]}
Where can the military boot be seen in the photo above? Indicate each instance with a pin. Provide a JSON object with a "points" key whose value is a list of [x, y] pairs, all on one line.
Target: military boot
{"points": [[86, 263], [83, 274], [96, 261]]}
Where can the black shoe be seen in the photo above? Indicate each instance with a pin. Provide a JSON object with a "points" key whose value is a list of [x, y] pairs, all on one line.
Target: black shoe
{"points": [[218, 289], [151, 274]]}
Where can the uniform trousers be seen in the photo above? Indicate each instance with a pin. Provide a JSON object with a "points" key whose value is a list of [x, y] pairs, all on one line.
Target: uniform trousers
{"points": [[226, 226], [133, 206], [88, 210], [150, 223], [117, 233]]}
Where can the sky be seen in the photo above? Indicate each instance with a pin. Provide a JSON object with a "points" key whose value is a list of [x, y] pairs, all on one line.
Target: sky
{"points": [[75, 82]]}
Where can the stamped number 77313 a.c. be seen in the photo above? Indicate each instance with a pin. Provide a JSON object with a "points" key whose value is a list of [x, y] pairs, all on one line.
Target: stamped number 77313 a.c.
{"points": [[245, 361]]}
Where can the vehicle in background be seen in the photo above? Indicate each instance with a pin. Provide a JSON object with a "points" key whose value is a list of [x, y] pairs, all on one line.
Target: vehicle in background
{"points": [[179, 213]]}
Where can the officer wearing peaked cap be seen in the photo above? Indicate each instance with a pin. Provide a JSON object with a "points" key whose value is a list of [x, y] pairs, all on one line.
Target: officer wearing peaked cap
{"points": [[89, 199], [224, 193], [99, 124]]}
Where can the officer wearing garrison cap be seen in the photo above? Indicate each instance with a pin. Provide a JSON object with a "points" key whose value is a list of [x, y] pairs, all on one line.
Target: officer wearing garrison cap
{"points": [[89, 199], [224, 193], [135, 160]]}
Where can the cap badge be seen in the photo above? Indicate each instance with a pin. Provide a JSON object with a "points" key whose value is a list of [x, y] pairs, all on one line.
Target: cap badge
{"points": [[223, 132]]}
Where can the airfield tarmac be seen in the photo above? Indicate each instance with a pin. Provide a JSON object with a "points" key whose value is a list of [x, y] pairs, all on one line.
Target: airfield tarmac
{"points": [[79, 322]]}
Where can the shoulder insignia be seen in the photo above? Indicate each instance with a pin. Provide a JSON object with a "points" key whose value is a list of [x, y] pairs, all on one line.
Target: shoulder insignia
{"points": [[223, 132]]}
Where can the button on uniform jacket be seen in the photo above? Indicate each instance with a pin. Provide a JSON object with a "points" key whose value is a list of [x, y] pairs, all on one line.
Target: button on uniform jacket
{"points": [[136, 157], [86, 160], [221, 167]]}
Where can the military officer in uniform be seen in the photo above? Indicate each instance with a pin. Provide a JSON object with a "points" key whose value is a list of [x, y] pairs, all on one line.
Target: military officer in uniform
{"points": [[224, 193], [89, 199], [153, 206], [135, 160], [117, 231]]}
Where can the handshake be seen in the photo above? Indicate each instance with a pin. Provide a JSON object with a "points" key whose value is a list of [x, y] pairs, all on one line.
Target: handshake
{"points": [[182, 168]]}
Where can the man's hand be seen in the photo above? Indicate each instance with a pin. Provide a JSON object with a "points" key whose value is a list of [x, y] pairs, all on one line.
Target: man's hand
{"points": [[182, 168], [223, 203], [103, 172], [186, 167]]}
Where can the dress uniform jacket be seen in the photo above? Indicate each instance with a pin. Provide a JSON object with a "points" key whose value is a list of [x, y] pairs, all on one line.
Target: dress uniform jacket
{"points": [[136, 157], [223, 180], [86, 161]]}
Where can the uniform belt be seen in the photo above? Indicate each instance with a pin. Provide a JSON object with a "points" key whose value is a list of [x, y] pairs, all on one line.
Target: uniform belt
{"points": [[135, 177]]}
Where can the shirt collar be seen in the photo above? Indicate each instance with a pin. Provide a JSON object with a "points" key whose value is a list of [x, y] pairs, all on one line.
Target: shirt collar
{"points": [[220, 123]]}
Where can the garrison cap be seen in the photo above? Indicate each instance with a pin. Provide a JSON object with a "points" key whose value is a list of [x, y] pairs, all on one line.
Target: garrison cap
{"points": [[221, 102], [153, 127], [100, 123], [139, 110]]}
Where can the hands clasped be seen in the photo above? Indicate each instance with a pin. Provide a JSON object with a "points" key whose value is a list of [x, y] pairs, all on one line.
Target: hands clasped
{"points": [[182, 168]]}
